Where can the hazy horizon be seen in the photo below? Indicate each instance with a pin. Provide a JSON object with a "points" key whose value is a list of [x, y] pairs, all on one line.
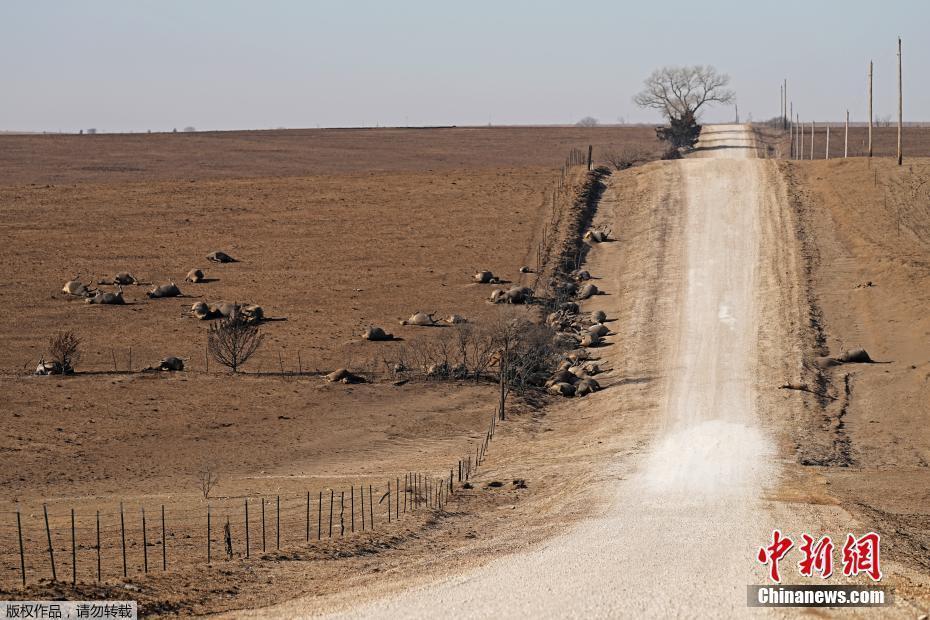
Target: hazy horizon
{"points": [[121, 67]]}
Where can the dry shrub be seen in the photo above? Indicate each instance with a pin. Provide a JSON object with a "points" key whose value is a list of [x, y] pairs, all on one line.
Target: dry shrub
{"points": [[64, 350], [208, 480], [628, 156], [232, 341], [514, 352]]}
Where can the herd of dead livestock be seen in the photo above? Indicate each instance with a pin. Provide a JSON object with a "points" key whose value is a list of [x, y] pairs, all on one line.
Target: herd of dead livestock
{"points": [[577, 333]]}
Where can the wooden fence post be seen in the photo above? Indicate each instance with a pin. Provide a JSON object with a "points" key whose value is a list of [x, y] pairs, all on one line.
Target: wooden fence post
{"points": [[846, 137], [51, 554], [145, 545], [352, 507], [164, 547], [99, 578], [277, 528], [361, 490], [371, 506], [308, 516], [122, 532], [264, 548], [73, 552], [22, 552], [801, 147], [319, 519], [397, 498], [247, 527], [227, 539], [590, 151], [812, 140], [331, 497], [209, 550]]}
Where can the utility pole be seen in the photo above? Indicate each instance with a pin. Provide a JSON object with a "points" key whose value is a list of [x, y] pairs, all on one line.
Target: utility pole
{"points": [[900, 106], [827, 156], [781, 103], [791, 132], [784, 107], [736, 105], [870, 108]]}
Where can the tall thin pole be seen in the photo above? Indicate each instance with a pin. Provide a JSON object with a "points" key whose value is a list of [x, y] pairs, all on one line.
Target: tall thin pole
{"points": [[870, 108], [784, 116], [900, 106], [827, 156], [846, 138], [791, 131]]}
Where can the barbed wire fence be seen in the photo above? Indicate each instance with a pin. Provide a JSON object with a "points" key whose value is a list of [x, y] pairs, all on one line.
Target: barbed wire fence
{"points": [[118, 541]]}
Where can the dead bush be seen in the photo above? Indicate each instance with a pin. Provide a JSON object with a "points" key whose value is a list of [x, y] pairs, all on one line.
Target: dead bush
{"points": [[64, 351], [232, 341], [208, 480], [525, 352], [475, 350], [628, 156]]}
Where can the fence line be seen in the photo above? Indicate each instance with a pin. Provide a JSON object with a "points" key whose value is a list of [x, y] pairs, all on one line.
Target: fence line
{"points": [[104, 545]]}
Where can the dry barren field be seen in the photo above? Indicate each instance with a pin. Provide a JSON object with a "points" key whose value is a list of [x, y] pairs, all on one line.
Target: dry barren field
{"points": [[866, 236], [334, 231]]}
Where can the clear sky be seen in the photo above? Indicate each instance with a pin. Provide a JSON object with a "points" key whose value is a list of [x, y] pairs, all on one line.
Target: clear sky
{"points": [[121, 65]]}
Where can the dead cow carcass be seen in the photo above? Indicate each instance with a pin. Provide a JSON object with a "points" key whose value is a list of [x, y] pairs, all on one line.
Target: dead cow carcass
{"points": [[165, 290], [221, 257], [194, 276], [376, 334], [107, 298]]}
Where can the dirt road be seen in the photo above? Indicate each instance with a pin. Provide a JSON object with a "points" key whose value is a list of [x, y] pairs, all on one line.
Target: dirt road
{"points": [[687, 514]]}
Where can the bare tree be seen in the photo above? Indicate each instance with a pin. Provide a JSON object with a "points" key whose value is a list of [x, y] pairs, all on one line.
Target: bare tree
{"points": [[525, 355], [232, 341], [682, 91], [208, 480], [64, 350], [588, 121]]}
